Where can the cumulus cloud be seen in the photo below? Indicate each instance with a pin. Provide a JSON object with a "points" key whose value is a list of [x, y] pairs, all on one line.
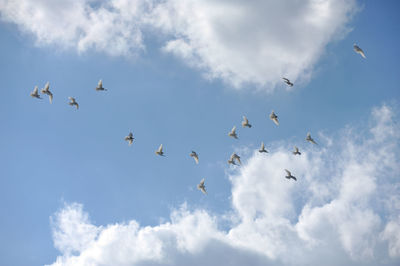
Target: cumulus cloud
{"points": [[343, 210], [241, 42]]}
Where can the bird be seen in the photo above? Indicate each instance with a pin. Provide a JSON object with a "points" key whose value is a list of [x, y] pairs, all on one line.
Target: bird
{"points": [[310, 139], [129, 138], [231, 160], [236, 157], [262, 149], [245, 122], [288, 82], [296, 151], [35, 93], [358, 50], [46, 90], [202, 187], [73, 102], [289, 175], [233, 133], [160, 151], [274, 117], [195, 156], [100, 86]]}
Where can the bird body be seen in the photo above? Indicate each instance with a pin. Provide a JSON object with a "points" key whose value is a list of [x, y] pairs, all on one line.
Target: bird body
{"points": [[160, 151], [195, 157], [310, 139], [287, 81], [100, 86], [245, 122], [129, 138], [358, 50], [202, 187], [262, 148], [274, 118], [35, 93], [232, 133], [296, 151], [290, 176], [46, 90], [73, 102]]}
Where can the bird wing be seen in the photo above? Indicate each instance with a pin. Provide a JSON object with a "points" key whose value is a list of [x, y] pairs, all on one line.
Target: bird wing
{"points": [[361, 52], [262, 146], [160, 148], [71, 99], [35, 90], [51, 98], [288, 172], [47, 86], [100, 84], [233, 131], [276, 121], [245, 120], [77, 105], [196, 158], [296, 149], [285, 79], [201, 182]]}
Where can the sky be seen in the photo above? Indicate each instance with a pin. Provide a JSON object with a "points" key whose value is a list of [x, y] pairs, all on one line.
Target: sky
{"points": [[182, 74]]}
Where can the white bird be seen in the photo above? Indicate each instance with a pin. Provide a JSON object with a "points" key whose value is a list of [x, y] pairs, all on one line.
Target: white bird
{"points": [[202, 187], [289, 175], [274, 118], [129, 138], [288, 82], [358, 50], [35, 93], [160, 151], [262, 148], [296, 151], [73, 102], [233, 133], [100, 86], [236, 157], [245, 122], [310, 139], [195, 156], [46, 90]]}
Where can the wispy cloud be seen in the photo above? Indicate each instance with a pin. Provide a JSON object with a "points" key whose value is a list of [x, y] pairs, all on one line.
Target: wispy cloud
{"points": [[240, 42], [343, 210]]}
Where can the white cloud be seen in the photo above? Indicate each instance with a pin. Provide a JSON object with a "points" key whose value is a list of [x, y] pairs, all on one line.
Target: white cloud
{"points": [[343, 210], [241, 42]]}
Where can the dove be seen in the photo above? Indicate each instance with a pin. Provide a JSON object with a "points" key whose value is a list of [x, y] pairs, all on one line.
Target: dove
{"points": [[233, 133], [274, 118], [160, 151], [231, 161], [262, 148], [46, 90], [310, 139], [100, 86], [296, 151], [236, 157], [289, 175], [288, 82], [35, 93], [195, 156], [129, 138], [202, 187], [73, 102], [358, 50], [245, 122]]}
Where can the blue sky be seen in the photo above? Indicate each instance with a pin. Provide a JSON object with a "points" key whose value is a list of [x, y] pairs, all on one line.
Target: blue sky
{"points": [[55, 156]]}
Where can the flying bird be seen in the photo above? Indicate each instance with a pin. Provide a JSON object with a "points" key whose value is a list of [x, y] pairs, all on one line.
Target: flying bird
{"points": [[245, 122], [274, 118], [73, 102], [262, 148], [46, 90], [160, 151], [288, 82], [236, 157], [100, 86], [231, 161], [195, 156], [310, 139], [358, 50], [296, 151], [35, 93], [289, 175], [129, 138], [202, 187], [233, 133]]}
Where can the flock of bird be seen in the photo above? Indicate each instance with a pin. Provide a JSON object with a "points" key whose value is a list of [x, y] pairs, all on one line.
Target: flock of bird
{"points": [[234, 158]]}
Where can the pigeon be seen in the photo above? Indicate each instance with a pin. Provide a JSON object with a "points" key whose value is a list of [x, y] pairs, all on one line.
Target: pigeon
{"points": [[73, 102], [358, 50], [274, 118], [129, 138], [231, 161], [160, 151], [289, 175], [262, 149], [100, 86], [245, 122], [296, 151], [236, 157], [233, 133], [202, 187], [288, 82], [195, 156], [310, 139], [46, 90], [35, 93]]}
